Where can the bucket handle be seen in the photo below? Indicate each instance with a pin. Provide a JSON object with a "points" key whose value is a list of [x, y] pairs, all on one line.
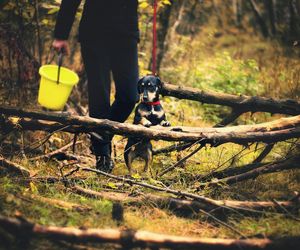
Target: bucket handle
{"points": [[50, 58], [59, 63]]}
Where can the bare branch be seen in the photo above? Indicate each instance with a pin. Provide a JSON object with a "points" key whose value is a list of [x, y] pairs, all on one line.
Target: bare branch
{"points": [[55, 152], [278, 130], [14, 167], [236, 102], [291, 163], [130, 238], [264, 153], [181, 161]]}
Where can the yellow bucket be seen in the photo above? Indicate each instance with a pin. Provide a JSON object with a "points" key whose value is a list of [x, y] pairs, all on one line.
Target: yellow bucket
{"points": [[52, 94]]}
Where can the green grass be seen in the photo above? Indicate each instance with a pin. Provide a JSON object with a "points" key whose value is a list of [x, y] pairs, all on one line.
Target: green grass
{"points": [[271, 186]]}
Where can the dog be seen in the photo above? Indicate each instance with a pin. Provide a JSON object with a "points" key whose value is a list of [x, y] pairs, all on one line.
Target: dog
{"points": [[148, 112]]}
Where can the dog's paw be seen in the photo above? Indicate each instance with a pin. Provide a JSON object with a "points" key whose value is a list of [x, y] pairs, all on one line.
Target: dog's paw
{"points": [[165, 123]]}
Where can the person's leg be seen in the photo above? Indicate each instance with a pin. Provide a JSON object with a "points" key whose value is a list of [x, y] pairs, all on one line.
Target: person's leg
{"points": [[125, 72], [97, 66]]}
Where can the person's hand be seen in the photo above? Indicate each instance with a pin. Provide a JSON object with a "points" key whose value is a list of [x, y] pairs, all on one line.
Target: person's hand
{"points": [[61, 45]]}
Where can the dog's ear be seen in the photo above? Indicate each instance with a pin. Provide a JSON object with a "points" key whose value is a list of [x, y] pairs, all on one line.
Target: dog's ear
{"points": [[139, 85], [158, 82]]}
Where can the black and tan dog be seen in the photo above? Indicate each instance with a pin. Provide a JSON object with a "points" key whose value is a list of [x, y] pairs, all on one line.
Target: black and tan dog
{"points": [[148, 112]]}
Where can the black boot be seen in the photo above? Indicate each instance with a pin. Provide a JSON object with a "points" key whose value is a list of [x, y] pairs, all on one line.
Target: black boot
{"points": [[104, 163]]}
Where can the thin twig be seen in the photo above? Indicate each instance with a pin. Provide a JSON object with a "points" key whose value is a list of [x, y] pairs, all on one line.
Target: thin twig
{"points": [[54, 152], [285, 210], [223, 223], [119, 157], [180, 161], [45, 139], [72, 172], [22, 145]]}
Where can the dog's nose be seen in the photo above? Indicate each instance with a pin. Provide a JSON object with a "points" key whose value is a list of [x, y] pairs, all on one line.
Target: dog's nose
{"points": [[145, 96]]}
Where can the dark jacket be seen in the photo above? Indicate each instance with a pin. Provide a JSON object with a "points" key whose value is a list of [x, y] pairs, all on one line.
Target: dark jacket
{"points": [[101, 19]]}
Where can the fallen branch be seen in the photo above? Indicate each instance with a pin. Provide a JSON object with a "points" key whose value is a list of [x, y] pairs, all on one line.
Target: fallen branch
{"points": [[112, 196], [230, 118], [55, 152], [223, 223], [130, 238], [178, 163], [242, 103], [186, 206], [278, 130], [264, 153], [229, 172], [14, 167], [291, 163]]}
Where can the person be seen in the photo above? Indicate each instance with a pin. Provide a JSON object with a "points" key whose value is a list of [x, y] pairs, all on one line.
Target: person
{"points": [[108, 35]]}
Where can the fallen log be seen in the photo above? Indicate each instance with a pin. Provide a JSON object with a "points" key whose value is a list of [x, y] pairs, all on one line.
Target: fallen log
{"points": [[241, 103], [13, 168], [131, 238], [292, 163], [228, 172], [278, 130], [187, 206]]}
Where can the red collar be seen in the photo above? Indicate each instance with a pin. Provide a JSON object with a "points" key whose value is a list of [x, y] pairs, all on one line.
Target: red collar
{"points": [[153, 103]]}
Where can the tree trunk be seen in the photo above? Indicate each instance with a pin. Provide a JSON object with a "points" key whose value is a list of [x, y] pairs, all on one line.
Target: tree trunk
{"points": [[237, 10], [218, 13], [294, 19], [261, 22], [164, 21], [181, 8], [271, 7]]}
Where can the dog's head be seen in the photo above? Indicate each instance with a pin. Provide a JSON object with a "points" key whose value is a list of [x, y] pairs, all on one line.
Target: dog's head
{"points": [[149, 88]]}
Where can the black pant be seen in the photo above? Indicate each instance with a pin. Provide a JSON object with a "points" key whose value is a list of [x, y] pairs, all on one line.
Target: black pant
{"points": [[100, 59]]}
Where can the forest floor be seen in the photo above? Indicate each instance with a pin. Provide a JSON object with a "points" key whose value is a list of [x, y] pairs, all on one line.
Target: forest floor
{"points": [[38, 201]]}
